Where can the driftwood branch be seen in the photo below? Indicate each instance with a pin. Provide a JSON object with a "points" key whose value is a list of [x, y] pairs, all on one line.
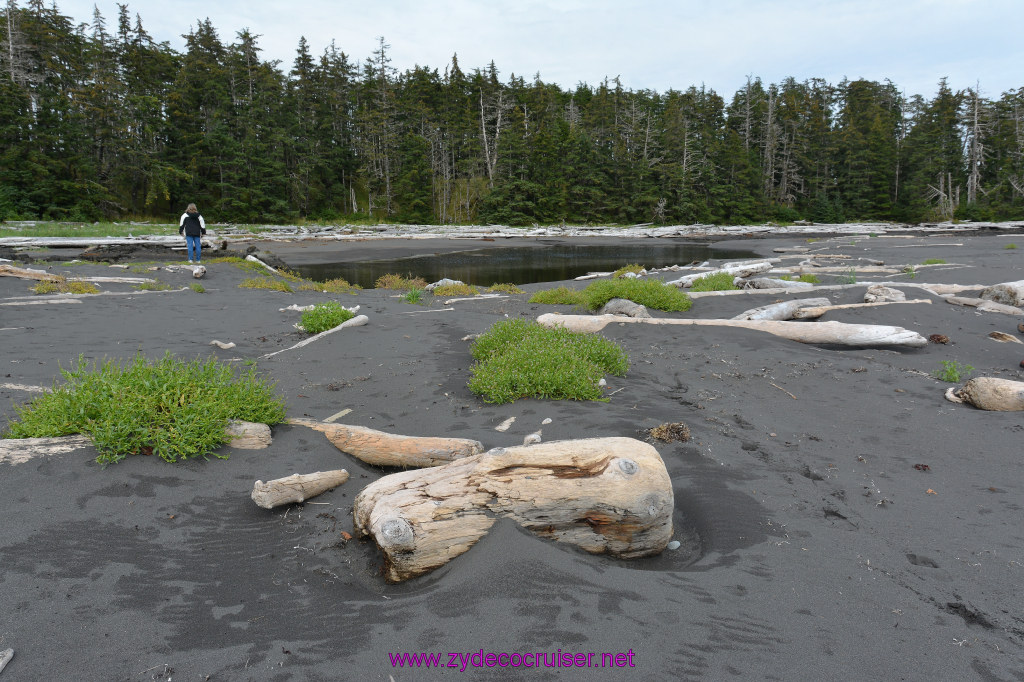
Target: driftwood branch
{"points": [[737, 270], [781, 311], [605, 495], [357, 321], [296, 488], [984, 305], [25, 273], [386, 449], [830, 333], [815, 312]]}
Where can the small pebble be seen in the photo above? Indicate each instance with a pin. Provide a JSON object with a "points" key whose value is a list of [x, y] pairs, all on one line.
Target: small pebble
{"points": [[674, 544]]}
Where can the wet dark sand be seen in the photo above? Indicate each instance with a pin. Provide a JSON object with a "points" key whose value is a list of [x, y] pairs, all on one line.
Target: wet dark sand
{"points": [[812, 548]]}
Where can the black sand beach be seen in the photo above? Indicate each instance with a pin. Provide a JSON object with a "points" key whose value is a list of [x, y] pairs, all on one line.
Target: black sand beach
{"points": [[811, 546]]}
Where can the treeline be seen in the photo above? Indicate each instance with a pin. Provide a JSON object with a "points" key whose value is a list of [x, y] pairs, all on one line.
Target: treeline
{"points": [[101, 121]]}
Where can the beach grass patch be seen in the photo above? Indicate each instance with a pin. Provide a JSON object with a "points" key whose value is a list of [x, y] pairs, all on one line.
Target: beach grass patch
{"points": [[719, 281], [338, 285], [393, 281], [504, 288], [324, 316], [455, 290], [198, 288], [807, 278], [559, 296], [652, 293], [934, 261], [1010, 247], [952, 371], [414, 296], [64, 286], [520, 359], [170, 408], [267, 283], [635, 268], [155, 285]]}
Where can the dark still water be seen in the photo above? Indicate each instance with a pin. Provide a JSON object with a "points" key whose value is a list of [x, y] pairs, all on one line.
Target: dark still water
{"points": [[519, 265]]}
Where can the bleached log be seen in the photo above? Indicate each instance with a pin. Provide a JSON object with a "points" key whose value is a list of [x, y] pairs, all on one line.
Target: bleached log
{"points": [[780, 311], [26, 273], [387, 449], [816, 312], [253, 259], [774, 283], [984, 306], [876, 293], [1003, 337], [830, 333], [1008, 293], [21, 450], [5, 657], [248, 435], [357, 321], [989, 393], [605, 495], [296, 488], [744, 269]]}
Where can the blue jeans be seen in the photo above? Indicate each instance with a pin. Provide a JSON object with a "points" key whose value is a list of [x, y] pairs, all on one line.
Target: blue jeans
{"points": [[194, 244]]}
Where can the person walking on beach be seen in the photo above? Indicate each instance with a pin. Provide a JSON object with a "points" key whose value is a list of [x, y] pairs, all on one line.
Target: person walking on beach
{"points": [[194, 227]]}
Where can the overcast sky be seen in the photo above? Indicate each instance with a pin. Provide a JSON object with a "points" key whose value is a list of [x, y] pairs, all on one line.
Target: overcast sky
{"points": [[655, 44]]}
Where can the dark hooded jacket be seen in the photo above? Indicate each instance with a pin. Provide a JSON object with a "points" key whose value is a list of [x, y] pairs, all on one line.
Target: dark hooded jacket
{"points": [[192, 224]]}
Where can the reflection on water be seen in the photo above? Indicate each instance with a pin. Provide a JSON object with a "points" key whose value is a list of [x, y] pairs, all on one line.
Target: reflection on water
{"points": [[520, 265]]}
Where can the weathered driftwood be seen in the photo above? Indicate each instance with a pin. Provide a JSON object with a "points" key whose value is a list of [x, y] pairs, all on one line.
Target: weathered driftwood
{"points": [[774, 283], [296, 488], [5, 657], [984, 305], [989, 393], [223, 345], [199, 271], [248, 435], [253, 259], [25, 273], [1003, 337], [21, 450], [622, 306], [780, 311], [877, 293], [357, 321], [605, 495], [1008, 293], [744, 269], [812, 313], [830, 333], [388, 449]]}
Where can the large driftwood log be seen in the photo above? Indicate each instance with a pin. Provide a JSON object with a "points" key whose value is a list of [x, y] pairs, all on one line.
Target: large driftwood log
{"points": [[1008, 293], [296, 488], [387, 449], [781, 311], [831, 333], [738, 270], [989, 393], [25, 273], [812, 313], [984, 305], [605, 495]]}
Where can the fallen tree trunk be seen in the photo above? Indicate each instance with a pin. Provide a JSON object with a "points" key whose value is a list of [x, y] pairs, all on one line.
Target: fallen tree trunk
{"points": [[831, 333], [989, 393], [25, 273], [387, 449], [296, 488], [737, 270], [780, 311], [812, 313], [605, 495], [984, 305]]}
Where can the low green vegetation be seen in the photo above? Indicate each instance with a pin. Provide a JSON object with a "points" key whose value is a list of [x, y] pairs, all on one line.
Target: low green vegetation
{"points": [[635, 268], [267, 283], [455, 290], [324, 316], [910, 271], [171, 408], [720, 281], [519, 359], [392, 281], [338, 285], [504, 289], [1010, 247], [88, 230], [198, 288], [652, 293], [559, 296], [155, 285], [850, 277], [807, 277], [952, 371], [414, 296], [934, 261], [64, 286]]}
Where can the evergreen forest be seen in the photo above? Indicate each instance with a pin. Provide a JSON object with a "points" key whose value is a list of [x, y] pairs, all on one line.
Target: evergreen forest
{"points": [[100, 122]]}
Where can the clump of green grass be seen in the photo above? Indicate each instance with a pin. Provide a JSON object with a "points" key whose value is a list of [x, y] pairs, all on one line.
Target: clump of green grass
{"points": [[392, 281], [910, 271], [952, 371], [155, 285], [171, 408], [324, 316], [850, 277], [63, 286], [647, 292], [338, 285], [719, 281], [414, 296], [455, 290], [504, 289], [198, 288], [265, 283], [635, 268], [1010, 247], [520, 359], [934, 261], [807, 277], [559, 296]]}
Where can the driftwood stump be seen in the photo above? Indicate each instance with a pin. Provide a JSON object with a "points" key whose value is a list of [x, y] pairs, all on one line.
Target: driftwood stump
{"points": [[605, 495], [386, 449], [248, 435], [296, 488], [989, 393]]}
